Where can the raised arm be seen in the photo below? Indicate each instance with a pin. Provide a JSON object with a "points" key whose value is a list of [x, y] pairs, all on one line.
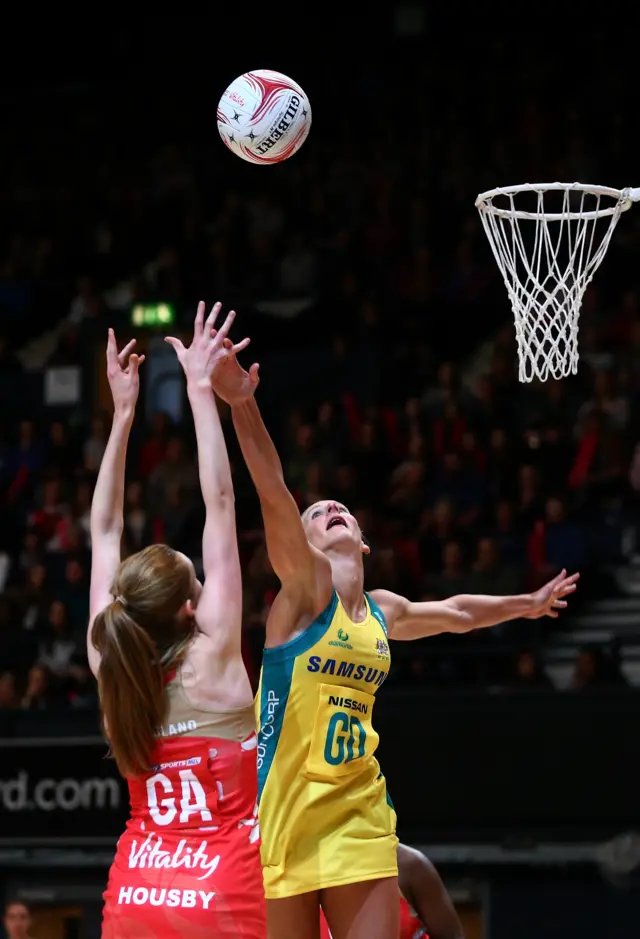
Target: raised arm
{"points": [[302, 570], [466, 612], [219, 610], [107, 519]]}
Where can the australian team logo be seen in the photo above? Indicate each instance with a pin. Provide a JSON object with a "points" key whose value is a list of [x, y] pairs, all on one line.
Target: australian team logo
{"points": [[381, 647]]}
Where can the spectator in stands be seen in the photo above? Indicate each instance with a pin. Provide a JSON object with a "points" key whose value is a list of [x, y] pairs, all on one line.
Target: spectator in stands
{"points": [[301, 454], [8, 694], [138, 528], [39, 693], [94, 446], [454, 576], [529, 674], [501, 465], [29, 557], [32, 595], [594, 669], [60, 460], [493, 573], [81, 510], [437, 528], [17, 920], [51, 510], [154, 448], [464, 485], [58, 646], [530, 500], [607, 400], [174, 479], [597, 469], [28, 453], [556, 454], [74, 594], [18, 648], [509, 539], [564, 542]]}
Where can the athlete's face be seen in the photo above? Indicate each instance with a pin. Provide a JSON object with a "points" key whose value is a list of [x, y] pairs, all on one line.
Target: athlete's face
{"points": [[329, 524]]}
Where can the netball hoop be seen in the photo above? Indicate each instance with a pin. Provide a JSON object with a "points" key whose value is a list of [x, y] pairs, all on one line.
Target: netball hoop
{"points": [[549, 240]]}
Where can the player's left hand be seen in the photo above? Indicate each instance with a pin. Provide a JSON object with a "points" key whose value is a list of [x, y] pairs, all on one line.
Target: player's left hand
{"points": [[550, 598], [209, 347]]}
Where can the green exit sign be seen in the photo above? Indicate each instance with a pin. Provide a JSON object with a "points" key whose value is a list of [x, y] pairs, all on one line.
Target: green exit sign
{"points": [[153, 314]]}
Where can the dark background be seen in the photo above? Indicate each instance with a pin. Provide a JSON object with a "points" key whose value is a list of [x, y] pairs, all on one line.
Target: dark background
{"points": [[511, 785]]}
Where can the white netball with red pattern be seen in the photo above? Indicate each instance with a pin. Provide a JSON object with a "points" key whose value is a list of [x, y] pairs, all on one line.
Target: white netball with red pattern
{"points": [[264, 117]]}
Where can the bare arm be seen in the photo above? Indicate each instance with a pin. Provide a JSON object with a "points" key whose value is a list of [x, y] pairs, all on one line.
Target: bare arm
{"points": [[296, 563], [219, 610], [422, 887], [107, 520], [466, 612]]}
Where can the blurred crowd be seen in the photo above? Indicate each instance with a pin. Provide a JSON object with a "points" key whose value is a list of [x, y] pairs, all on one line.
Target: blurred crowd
{"points": [[381, 308]]}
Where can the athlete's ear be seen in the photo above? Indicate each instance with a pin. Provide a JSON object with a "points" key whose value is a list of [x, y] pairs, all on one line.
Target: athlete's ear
{"points": [[365, 547], [187, 610]]}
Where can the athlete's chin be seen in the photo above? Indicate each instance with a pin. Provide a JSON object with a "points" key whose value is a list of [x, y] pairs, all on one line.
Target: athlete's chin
{"points": [[339, 538]]}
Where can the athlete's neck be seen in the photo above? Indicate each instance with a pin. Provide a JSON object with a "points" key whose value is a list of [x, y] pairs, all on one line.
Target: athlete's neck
{"points": [[348, 579]]}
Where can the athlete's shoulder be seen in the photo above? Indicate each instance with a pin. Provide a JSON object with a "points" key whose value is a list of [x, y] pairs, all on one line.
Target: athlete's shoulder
{"points": [[379, 605], [303, 594], [288, 644]]}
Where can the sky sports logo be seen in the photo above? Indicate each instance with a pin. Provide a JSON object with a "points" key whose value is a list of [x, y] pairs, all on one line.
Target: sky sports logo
{"points": [[20, 794]]}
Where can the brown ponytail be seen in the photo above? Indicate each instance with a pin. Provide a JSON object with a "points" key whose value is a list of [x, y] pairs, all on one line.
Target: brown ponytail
{"points": [[140, 636]]}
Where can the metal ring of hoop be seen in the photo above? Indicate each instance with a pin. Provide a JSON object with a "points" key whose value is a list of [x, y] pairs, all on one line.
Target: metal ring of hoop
{"points": [[623, 201]]}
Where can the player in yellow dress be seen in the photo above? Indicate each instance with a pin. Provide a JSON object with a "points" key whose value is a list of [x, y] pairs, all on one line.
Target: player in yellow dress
{"points": [[327, 822]]}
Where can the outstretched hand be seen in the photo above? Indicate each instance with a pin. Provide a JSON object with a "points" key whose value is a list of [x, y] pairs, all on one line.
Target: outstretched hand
{"points": [[549, 599], [231, 381], [122, 374], [209, 348]]}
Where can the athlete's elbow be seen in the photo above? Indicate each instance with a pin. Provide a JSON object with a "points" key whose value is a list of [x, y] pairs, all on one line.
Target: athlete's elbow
{"points": [[220, 509], [221, 498], [458, 620], [292, 572], [105, 526]]}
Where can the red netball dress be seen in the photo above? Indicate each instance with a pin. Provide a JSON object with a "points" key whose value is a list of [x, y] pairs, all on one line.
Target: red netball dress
{"points": [[188, 863], [410, 925]]}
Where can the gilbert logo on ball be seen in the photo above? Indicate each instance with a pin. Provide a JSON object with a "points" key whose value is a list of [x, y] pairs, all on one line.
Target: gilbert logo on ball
{"points": [[264, 117]]}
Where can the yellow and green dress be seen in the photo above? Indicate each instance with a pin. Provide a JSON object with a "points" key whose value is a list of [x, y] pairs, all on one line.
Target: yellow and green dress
{"points": [[325, 816]]}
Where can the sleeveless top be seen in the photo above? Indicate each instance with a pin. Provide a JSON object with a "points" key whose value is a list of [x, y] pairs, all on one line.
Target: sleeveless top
{"points": [[325, 815], [190, 851]]}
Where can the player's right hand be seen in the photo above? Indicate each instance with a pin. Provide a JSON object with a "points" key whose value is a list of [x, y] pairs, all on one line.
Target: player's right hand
{"points": [[231, 381], [209, 347], [122, 374]]}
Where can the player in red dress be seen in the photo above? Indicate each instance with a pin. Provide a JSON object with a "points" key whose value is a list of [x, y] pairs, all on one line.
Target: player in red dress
{"points": [[176, 701], [426, 909]]}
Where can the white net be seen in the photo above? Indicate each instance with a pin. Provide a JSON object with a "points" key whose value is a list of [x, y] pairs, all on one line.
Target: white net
{"points": [[549, 239]]}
